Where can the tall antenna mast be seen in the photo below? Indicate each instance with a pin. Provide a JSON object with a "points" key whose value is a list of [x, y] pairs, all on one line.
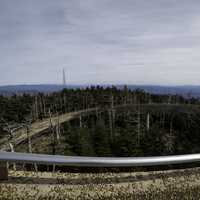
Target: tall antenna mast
{"points": [[64, 78]]}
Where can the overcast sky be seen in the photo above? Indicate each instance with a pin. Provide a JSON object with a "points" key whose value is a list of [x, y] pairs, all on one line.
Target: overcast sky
{"points": [[100, 41]]}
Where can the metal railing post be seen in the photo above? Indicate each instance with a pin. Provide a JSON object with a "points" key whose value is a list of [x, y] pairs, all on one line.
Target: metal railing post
{"points": [[3, 171]]}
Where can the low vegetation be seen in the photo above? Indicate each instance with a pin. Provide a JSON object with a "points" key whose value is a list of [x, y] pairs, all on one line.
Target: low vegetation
{"points": [[181, 184]]}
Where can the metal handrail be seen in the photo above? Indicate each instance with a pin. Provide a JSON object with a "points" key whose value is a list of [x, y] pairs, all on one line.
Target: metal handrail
{"points": [[79, 161]]}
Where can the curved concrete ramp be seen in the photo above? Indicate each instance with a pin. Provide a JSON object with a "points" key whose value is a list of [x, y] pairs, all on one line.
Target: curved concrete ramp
{"points": [[40, 126]]}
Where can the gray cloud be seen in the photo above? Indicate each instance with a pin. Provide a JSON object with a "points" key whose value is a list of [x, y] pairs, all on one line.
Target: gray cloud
{"points": [[107, 41]]}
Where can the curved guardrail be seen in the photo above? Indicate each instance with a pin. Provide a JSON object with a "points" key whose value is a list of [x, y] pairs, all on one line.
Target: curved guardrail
{"points": [[97, 161]]}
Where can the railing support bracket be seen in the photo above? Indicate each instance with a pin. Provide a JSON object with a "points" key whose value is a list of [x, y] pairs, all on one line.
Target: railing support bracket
{"points": [[3, 171]]}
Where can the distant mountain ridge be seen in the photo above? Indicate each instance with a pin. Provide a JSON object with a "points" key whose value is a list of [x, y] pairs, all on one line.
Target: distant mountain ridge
{"points": [[31, 89], [187, 91]]}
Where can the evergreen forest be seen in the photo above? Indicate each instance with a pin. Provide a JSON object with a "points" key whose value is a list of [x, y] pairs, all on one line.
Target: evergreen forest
{"points": [[126, 123]]}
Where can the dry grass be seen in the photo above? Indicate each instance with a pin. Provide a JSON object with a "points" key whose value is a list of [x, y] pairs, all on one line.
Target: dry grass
{"points": [[180, 184]]}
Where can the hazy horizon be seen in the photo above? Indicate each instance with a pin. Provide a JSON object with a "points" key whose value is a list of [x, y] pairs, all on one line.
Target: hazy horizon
{"points": [[133, 42], [101, 84]]}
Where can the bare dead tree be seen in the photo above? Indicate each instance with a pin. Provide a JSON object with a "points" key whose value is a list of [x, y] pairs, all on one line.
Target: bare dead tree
{"points": [[54, 135], [171, 127], [65, 103], [44, 106], [58, 129], [29, 139], [36, 107], [12, 150], [138, 126], [28, 126], [52, 131], [110, 124], [111, 114], [96, 112], [80, 121], [148, 121], [169, 99], [149, 99]]}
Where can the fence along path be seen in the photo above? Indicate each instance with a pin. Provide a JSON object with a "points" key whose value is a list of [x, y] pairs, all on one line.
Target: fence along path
{"points": [[77, 161]]}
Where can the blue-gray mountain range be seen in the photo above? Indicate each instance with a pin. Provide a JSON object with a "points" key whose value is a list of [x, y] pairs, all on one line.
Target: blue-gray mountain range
{"points": [[187, 91]]}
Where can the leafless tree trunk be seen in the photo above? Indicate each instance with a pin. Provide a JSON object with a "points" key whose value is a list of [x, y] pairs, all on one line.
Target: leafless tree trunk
{"points": [[169, 99], [138, 126], [111, 114], [148, 121], [29, 140], [54, 168], [44, 107], [12, 150], [52, 133], [96, 112], [29, 144], [36, 108], [11, 147], [58, 129], [171, 127], [112, 102], [80, 121], [149, 99], [65, 103], [110, 124]]}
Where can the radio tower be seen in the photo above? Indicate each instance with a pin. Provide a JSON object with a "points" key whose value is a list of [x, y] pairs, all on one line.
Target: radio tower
{"points": [[64, 78]]}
